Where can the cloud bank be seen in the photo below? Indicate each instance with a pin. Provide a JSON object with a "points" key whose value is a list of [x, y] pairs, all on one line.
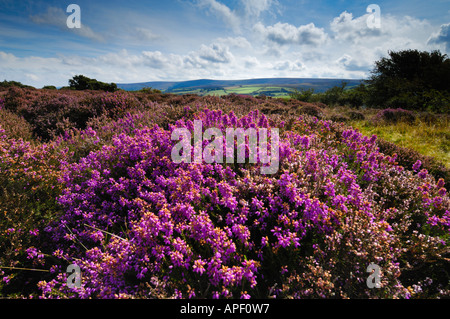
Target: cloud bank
{"points": [[346, 47]]}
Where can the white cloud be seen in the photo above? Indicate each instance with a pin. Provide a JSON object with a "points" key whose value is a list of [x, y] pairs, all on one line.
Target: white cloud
{"points": [[254, 8], [32, 77], [288, 34], [441, 37], [354, 47], [293, 66], [57, 17], [237, 42], [394, 33], [251, 62], [345, 27], [221, 11], [215, 53], [145, 34], [154, 59]]}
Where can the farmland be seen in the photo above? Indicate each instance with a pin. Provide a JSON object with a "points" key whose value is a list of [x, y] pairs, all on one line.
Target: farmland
{"points": [[243, 89]]}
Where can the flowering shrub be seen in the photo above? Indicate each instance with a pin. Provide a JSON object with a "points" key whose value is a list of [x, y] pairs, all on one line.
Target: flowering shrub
{"points": [[29, 187], [109, 198], [15, 126], [53, 113], [140, 225], [407, 158]]}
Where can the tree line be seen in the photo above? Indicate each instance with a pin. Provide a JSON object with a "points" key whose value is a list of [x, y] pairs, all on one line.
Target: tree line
{"points": [[78, 82], [408, 79]]}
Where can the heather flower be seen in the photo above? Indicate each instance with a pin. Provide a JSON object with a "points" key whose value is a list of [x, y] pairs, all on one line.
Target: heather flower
{"points": [[423, 173], [6, 279], [417, 165], [440, 183], [245, 295], [199, 266]]}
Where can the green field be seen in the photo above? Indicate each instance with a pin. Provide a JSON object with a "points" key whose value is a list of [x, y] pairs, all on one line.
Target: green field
{"points": [[253, 90]]}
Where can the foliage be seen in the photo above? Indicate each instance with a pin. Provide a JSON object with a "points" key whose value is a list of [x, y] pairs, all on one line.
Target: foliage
{"points": [[411, 79], [81, 82], [303, 95], [354, 97], [7, 84], [29, 188], [149, 90], [334, 95]]}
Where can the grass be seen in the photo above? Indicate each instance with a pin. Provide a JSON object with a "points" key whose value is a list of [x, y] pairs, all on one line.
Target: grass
{"points": [[428, 134], [427, 138]]}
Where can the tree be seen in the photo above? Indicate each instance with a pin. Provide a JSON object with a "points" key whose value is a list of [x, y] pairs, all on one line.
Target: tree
{"points": [[8, 84], [334, 95], [303, 94], [410, 79], [355, 97], [81, 82]]}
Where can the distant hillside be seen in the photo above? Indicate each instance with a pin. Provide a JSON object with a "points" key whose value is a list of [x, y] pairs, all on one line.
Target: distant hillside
{"points": [[163, 86], [255, 86]]}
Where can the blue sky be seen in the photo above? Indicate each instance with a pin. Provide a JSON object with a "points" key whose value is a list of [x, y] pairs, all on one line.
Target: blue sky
{"points": [[138, 41]]}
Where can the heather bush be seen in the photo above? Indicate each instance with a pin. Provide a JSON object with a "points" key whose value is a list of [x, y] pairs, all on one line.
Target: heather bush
{"points": [[138, 224], [339, 118], [407, 158], [52, 116], [15, 99], [355, 115], [106, 195], [15, 126], [394, 116], [311, 109], [29, 188]]}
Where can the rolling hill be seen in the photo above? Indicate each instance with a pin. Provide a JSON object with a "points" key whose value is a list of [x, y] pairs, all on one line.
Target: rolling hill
{"points": [[267, 86]]}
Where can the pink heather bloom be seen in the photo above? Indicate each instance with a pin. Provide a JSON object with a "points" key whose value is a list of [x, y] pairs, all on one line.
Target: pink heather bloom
{"points": [[423, 173], [440, 183], [198, 266], [417, 165], [34, 232], [245, 295]]}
